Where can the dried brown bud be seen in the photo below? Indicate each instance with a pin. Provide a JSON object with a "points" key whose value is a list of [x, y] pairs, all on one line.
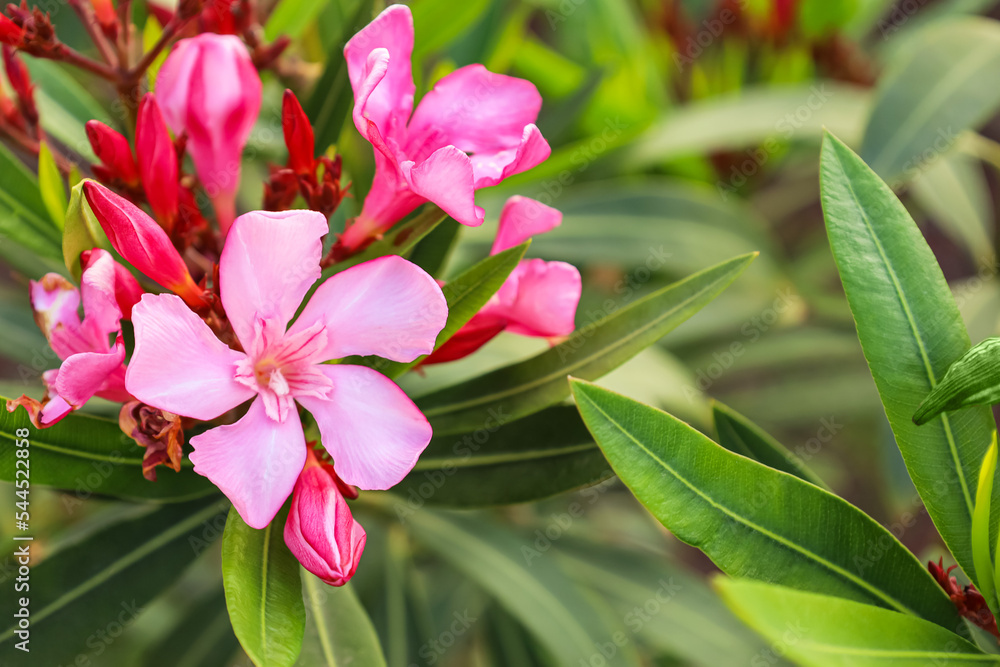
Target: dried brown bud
{"points": [[158, 431]]}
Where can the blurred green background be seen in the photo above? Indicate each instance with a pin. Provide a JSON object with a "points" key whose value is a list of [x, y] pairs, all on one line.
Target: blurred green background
{"points": [[683, 133]]}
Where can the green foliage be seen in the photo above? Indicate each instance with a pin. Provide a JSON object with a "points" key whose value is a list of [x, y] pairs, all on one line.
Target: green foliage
{"points": [[911, 332], [263, 591], [972, 380]]}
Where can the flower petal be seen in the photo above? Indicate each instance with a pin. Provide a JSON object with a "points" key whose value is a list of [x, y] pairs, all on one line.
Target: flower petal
{"points": [[491, 168], [101, 313], [371, 428], [255, 462], [268, 264], [446, 178], [539, 298], [389, 101], [476, 111], [386, 306], [179, 365], [481, 329], [83, 375], [522, 218]]}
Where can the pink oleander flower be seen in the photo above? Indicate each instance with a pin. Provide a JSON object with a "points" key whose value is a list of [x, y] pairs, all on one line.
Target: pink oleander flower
{"points": [[92, 366], [387, 307], [209, 89], [539, 298], [320, 530], [473, 130], [142, 242]]}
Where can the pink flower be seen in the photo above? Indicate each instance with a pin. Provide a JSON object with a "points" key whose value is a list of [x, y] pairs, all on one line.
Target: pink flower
{"points": [[386, 306], [320, 530], [91, 365], [142, 242], [539, 298], [210, 90], [157, 162], [474, 129]]}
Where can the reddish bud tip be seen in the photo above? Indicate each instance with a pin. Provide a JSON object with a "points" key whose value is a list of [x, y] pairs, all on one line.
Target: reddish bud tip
{"points": [[10, 33], [142, 242], [298, 136], [113, 150]]}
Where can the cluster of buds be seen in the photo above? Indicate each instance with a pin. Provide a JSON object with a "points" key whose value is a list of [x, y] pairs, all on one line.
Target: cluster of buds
{"points": [[970, 602], [316, 179], [153, 174], [29, 30]]}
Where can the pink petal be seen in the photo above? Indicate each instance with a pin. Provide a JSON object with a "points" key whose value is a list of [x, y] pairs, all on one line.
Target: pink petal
{"points": [[83, 375], [126, 287], [255, 462], [386, 306], [491, 168], [476, 111], [446, 178], [389, 102], [539, 298], [371, 428], [522, 218], [101, 313], [268, 264], [55, 301], [179, 365], [54, 410]]}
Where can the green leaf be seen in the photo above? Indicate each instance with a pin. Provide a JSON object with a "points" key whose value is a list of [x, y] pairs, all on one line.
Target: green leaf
{"points": [[432, 254], [292, 17], [203, 638], [82, 231], [972, 380], [911, 332], [529, 459], [50, 184], [765, 117], [65, 105], [525, 580], [338, 631], [521, 389], [822, 631], [263, 591], [819, 18], [399, 240], [947, 83], [466, 294], [24, 217], [331, 100], [981, 555], [741, 436], [89, 456], [751, 520], [104, 581]]}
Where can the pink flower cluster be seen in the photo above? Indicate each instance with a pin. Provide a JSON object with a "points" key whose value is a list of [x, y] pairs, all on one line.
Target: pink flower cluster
{"points": [[253, 345]]}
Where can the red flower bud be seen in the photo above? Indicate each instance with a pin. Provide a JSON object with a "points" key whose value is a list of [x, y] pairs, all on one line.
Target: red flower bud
{"points": [[113, 151], [157, 161], [106, 16], [20, 81], [142, 242], [320, 530], [298, 136], [10, 33]]}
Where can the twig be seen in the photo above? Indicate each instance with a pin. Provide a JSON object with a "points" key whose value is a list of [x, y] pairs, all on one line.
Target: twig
{"points": [[86, 14]]}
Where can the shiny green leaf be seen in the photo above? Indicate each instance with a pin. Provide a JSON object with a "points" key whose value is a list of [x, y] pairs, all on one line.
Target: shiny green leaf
{"points": [[972, 380], [911, 332], [338, 631], [50, 184], [751, 520]]}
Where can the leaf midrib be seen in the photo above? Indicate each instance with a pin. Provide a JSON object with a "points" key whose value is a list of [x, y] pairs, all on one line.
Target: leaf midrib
{"points": [[833, 567], [501, 459], [568, 370], [891, 654], [904, 303], [319, 618]]}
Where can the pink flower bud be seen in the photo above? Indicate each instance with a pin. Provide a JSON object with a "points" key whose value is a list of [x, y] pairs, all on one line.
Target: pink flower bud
{"points": [[210, 90], [142, 242], [157, 161], [112, 149], [126, 287], [298, 136], [320, 530]]}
